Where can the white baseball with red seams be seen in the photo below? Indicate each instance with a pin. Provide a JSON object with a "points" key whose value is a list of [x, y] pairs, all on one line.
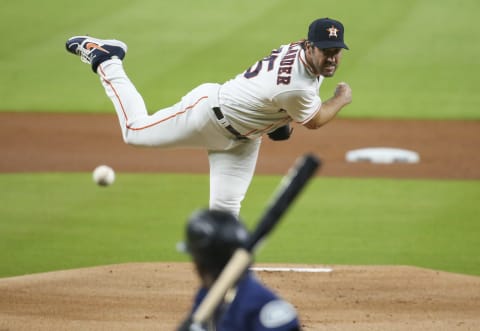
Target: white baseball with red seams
{"points": [[274, 91]]}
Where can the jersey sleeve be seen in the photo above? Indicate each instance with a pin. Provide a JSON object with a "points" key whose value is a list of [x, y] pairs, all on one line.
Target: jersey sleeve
{"points": [[301, 106]]}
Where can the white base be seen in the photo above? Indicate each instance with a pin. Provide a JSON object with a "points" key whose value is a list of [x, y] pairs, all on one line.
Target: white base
{"points": [[383, 155]]}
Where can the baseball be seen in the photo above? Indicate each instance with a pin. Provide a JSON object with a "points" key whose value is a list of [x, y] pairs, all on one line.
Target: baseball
{"points": [[103, 175]]}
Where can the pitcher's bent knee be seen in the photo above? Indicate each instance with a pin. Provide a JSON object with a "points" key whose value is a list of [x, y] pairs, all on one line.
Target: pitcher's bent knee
{"points": [[136, 138]]}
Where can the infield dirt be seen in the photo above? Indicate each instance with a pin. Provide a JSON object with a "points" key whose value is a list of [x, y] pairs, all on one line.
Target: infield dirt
{"points": [[156, 296], [32, 142]]}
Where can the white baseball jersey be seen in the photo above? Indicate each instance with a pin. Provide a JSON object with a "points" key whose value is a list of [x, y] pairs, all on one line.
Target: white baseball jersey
{"points": [[274, 91]]}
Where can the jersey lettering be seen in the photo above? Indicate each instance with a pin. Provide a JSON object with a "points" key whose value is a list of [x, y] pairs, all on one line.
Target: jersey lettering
{"points": [[250, 73], [253, 73], [285, 80], [285, 69]]}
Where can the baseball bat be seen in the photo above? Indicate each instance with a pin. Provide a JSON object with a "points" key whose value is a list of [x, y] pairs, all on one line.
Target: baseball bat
{"points": [[288, 190]]}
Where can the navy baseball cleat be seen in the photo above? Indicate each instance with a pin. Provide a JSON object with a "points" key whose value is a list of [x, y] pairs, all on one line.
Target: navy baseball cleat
{"points": [[95, 51]]}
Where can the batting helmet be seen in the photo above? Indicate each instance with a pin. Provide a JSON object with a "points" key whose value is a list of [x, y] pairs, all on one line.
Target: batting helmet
{"points": [[211, 238]]}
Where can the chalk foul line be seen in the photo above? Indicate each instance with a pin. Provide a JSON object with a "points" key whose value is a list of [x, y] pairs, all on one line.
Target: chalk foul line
{"points": [[285, 269]]}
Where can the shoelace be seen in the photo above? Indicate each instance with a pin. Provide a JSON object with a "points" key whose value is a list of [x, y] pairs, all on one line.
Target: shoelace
{"points": [[85, 53]]}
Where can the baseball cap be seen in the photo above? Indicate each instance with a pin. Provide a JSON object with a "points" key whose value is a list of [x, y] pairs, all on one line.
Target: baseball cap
{"points": [[326, 33]]}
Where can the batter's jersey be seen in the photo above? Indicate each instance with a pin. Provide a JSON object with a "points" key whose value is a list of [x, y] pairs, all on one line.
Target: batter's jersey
{"points": [[254, 308], [276, 90]]}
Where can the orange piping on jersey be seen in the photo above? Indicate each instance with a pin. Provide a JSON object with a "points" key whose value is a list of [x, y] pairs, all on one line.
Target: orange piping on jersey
{"points": [[251, 132], [307, 65], [169, 117], [312, 116], [154, 123], [102, 73], [286, 120], [258, 130], [267, 128]]}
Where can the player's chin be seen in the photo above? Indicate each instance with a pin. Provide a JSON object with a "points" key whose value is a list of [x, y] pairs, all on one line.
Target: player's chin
{"points": [[328, 71]]}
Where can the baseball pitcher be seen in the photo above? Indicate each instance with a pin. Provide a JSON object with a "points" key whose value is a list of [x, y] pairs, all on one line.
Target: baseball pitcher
{"points": [[229, 119]]}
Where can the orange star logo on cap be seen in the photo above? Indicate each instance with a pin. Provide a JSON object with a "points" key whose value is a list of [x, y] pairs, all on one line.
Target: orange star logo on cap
{"points": [[332, 32]]}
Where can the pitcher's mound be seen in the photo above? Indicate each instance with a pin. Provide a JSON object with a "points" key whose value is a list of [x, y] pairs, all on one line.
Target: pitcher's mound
{"points": [[156, 296]]}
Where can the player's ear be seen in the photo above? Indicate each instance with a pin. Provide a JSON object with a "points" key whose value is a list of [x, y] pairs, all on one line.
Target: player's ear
{"points": [[310, 45]]}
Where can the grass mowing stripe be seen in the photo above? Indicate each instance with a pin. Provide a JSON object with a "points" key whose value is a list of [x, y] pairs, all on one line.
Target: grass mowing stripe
{"points": [[396, 62], [59, 221], [376, 221]]}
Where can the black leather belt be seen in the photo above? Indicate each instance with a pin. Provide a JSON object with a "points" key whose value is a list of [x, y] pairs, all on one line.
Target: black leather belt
{"points": [[224, 122]]}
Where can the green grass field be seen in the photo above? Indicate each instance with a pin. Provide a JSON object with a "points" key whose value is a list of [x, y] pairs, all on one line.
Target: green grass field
{"points": [[58, 221], [408, 59]]}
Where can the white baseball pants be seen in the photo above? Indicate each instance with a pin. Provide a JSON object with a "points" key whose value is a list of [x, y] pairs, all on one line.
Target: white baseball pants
{"points": [[189, 123]]}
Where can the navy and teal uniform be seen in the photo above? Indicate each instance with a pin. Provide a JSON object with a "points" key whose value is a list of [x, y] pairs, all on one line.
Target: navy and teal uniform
{"points": [[253, 308]]}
